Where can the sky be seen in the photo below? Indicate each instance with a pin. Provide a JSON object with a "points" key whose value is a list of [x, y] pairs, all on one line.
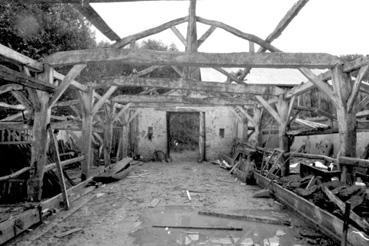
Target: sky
{"points": [[330, 26]]}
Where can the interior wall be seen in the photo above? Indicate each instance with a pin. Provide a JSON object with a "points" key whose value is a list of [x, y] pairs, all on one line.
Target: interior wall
{"points": [[215, 118], [312, 142]]}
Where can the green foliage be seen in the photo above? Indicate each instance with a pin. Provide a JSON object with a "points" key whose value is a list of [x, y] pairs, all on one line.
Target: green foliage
{"points": [[37, 30]]}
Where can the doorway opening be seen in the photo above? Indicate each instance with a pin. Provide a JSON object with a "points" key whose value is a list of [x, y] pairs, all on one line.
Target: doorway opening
{"points": [[183, 131]]}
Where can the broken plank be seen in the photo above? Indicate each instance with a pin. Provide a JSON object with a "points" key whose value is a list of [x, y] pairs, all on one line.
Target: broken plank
{"points": [[252, 218], [200, 227], [341, 205]]}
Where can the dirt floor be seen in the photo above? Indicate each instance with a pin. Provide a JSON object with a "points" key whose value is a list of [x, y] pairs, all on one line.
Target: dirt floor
{"points": [[124, 212]]}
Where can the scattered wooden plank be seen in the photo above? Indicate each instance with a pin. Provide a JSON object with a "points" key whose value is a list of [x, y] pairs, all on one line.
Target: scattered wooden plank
{"points": [[66, 233], [341, 205], [59, 169], [200, 227], [251, 218]]}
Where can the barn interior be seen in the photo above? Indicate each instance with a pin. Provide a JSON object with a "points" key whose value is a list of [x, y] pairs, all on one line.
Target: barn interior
{"points": [[136, 159]]}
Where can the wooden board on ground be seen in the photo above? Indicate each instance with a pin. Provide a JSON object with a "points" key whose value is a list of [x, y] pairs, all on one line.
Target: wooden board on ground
{"points": [[117, 172]]}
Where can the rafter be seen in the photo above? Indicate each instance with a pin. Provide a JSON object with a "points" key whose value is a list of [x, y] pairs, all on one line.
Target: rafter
{"points": [[11, 76], [184, 84], [72, 74], [86, 10], [286, 20], [180, 99], [150, 57], [127, 40], [269, 108]]}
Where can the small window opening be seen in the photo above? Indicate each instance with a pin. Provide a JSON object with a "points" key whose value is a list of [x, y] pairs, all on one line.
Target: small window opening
{"points": [[221, 132], [150, 132]]}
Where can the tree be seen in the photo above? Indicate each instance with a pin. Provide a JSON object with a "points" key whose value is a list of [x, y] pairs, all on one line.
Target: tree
{"points": [[37, 30]]}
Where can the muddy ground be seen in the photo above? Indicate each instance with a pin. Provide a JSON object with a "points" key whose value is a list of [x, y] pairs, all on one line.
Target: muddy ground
{"points": [[124, 212]]}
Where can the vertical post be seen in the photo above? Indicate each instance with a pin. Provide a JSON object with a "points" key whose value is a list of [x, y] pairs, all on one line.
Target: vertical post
{"points": [[59, 168], [346, 219], [87, 104], [124, 137], [258, 115], [346, 120], [245, 130], [191, 40], [202, 140], [284, 108], [108, 135], [40, 140]]}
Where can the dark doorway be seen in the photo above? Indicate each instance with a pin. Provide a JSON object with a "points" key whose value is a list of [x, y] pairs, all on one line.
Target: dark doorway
{"points": [[183, 130]]}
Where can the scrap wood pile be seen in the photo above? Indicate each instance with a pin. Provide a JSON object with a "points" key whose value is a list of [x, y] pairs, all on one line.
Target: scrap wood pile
{"points": [[244, 158]]}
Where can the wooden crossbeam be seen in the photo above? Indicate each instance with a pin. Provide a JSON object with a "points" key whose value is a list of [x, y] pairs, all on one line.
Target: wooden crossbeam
{"points": [[229, 75], [22, 98], [238, 33], [132, 38], [269, 108], [72, 74], [206, 35], [246, 114], [178, 35], [122, 111], [150, 57], [10, 87], [102, 100], [87, 11], [11, 76], [184, 84], [355, 89], [347, 67], [163, 100]]}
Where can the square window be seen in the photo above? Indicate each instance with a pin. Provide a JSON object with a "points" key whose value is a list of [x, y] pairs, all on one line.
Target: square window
{"points": [[221, 132]]}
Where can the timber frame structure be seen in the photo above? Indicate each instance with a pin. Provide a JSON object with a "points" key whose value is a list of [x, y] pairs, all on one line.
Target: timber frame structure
{"points": [[38, 87]]}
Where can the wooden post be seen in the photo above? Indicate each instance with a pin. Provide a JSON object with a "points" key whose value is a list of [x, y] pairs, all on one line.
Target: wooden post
{"points": [[245, 130], [86, 109], [284, 143], [202, 137], [59, 168], [191, 40], [346, 120], [40, 140], [108, 135], [124, 138], [258, 115]]}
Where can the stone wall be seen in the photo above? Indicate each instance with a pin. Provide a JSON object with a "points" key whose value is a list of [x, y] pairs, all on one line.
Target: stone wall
{"points": [[215, 118]]}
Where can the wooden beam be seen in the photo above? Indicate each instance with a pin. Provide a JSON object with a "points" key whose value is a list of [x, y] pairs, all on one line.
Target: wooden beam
{"points": [[282, 25], [229, 75], [206, 35], [150, 57], [244, 112], [269, 108], [355, 88], [59, 169], [325, 88], [91, 15], [40, 140], [9, 106], [20, 58], [22, 98], [178, 35], [122, 111], [92, 1], [127, 40], [87, 116], [347, 68], [11, 76], [238, 33], [102, 100], [72, 74], [180, 99], [10, 87]]}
